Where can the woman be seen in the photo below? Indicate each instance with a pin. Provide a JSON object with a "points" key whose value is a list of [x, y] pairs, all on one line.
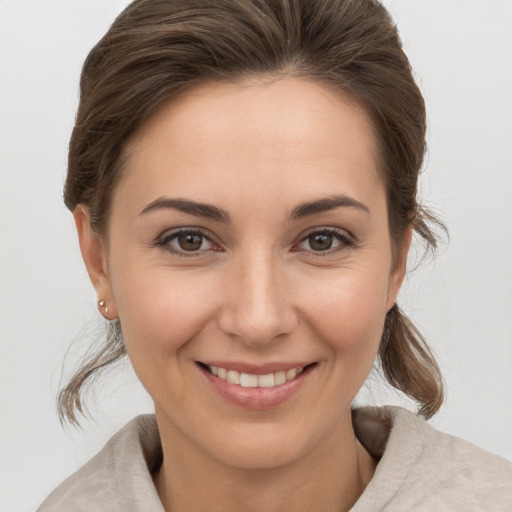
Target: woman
{"points": [[243, 179]]}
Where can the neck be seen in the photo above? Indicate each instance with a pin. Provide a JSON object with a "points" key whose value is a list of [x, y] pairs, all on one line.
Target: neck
{"points": [[329, 479]]}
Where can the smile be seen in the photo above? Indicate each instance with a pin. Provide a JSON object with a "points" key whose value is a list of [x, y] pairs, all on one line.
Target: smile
{"points": [[248, 380], [256, 387]]}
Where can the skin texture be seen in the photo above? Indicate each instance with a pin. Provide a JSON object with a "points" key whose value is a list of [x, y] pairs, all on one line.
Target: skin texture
{"points": [[256, 291]]}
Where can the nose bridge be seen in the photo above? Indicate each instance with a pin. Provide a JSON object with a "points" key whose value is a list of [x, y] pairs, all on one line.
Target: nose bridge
{"points": [[257, 308]]}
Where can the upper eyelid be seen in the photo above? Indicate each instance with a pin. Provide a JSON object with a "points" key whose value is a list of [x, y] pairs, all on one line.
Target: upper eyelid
{"points": [[163, 242], [350, 240], [169, 233], [326, 229]]}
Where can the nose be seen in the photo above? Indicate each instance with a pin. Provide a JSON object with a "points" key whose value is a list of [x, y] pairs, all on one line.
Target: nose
{"points": [[258, 306]]}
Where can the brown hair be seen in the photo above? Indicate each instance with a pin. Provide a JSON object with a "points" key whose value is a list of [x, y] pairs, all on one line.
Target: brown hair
{"points": [[158, 48]]}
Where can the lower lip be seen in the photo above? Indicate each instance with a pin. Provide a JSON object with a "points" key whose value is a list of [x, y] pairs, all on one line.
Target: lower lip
{"points": [[257, 398]]}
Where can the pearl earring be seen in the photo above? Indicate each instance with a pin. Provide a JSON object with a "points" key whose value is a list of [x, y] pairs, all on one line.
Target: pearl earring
{"points": [[101, 304]]}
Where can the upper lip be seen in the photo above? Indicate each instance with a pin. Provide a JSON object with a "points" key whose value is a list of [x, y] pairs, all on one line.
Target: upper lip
{"points": [[257, 369]]}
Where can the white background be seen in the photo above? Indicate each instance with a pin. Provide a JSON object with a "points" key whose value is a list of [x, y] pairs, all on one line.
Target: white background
{"points": [[462, 53]]}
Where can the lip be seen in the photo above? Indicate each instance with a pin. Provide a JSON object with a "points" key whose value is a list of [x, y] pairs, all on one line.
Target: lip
{"points": [[255, 369], [257, 398]]}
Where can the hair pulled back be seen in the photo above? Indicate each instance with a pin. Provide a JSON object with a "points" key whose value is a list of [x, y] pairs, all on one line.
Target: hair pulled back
{"points": [[157, 49]]}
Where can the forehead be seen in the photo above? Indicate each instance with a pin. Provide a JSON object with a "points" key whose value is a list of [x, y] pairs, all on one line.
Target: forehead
{"points": [[259, 137]]}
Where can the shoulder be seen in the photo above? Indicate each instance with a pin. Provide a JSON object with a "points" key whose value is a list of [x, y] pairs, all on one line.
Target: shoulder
{"points": [[423, 469], [117, 478]]}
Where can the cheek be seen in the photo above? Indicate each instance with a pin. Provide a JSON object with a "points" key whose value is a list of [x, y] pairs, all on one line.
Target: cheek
{"points": [[161, 312], [162, 309], [348, 312]]}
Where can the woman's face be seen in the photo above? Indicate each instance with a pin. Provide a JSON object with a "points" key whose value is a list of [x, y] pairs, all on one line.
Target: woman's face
{"points": [[248, 237]]}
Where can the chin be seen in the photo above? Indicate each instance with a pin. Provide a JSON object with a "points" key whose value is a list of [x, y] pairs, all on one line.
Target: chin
{"points": [[263, 445], [260, 452]]}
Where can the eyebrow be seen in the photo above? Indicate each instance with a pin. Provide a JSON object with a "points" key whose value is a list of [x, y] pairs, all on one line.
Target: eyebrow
{"points": [[191, 207], [326, 204], [213, 212]]}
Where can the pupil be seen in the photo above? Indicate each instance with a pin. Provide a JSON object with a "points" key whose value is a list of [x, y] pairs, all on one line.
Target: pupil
{"points": [[320, 242], [190, 242]]}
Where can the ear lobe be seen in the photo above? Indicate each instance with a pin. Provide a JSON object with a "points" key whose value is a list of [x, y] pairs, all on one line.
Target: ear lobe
{"points": [[93, 252], [398, 272]]}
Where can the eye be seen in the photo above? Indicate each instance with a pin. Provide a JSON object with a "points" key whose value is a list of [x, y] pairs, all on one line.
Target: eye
{"points": [[187, 241], [320, 241], [324, 240]]}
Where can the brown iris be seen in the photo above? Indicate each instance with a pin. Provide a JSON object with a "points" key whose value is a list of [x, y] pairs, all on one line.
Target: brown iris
{"points": [[320, 241], [190, 241]]}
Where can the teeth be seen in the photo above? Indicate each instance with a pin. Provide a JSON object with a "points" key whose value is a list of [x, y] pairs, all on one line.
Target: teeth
{"points": [[266, 381], [291, 374], [248, 380], [279, 378], [233, 377]]}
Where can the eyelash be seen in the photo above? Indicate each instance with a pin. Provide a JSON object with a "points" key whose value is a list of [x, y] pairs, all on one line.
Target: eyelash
{"points": [[346, 241], [165, 239]]}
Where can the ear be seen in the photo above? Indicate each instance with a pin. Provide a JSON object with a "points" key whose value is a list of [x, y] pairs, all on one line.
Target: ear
{"points": [[95, 258], [397, 274]]}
